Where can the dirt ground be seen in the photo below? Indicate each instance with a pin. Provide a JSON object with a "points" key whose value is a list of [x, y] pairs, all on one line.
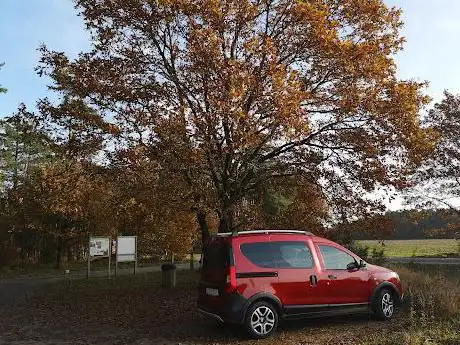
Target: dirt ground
{"points": [[138, 311]]}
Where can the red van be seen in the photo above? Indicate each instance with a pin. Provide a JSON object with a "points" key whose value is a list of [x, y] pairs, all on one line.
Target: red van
{"points": [[254, 278]]}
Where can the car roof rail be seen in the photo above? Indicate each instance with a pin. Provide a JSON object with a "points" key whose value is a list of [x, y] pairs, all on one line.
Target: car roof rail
{"points": [[249, 232]]}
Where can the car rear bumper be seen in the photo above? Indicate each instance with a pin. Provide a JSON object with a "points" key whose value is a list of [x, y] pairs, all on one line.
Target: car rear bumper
{"points": [[211, 315], [230, 308]]}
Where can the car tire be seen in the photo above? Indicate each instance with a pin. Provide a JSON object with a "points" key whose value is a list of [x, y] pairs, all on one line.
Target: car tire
{"points": [[383, 305], [261, 320]]}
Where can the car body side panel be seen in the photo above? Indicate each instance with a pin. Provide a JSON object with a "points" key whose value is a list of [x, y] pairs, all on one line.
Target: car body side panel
{"points": [[252, 279], [343, 286], [291, 290], [294, 284]]}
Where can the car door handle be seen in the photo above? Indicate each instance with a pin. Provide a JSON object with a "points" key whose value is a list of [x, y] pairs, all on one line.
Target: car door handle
{"points": [[313, 280], [332, 276]]}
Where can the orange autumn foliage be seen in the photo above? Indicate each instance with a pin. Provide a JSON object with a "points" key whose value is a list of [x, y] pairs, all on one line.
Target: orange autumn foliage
{"points": [[224, 97]]}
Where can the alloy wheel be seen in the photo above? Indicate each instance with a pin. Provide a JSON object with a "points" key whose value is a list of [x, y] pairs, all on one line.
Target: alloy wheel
{"points": [[387, 305], [262, 320]]}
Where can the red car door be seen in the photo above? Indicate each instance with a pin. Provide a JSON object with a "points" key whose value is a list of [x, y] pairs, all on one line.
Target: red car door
{"points": [[297, 283], [339, 284]]}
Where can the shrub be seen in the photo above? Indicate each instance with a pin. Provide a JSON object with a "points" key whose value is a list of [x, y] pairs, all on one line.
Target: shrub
{"points": [[374, 256], [432, 304], [377, 256], [361, 251], [8, 257], [430, 295], [436, 334]]}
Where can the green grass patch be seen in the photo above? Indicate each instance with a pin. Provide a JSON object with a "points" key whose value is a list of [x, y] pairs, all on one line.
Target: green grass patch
{"points": [[409, 248]]}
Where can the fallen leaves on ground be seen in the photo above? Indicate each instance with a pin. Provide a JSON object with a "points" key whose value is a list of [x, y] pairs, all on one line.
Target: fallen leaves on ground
{"points": [[139, 311]]}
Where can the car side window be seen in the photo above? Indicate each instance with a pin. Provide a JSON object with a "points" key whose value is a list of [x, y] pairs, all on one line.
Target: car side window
{"points": [[335, 259], [292, 254], [260, 254]]}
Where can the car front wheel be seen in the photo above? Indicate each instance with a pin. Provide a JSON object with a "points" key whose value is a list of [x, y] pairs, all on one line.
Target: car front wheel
{"points": [[384, 305], [261, 320]]}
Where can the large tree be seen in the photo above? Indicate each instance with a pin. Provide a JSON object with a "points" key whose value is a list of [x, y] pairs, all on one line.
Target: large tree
{"points": [[226, 96], [23, 147], [437, 182]]}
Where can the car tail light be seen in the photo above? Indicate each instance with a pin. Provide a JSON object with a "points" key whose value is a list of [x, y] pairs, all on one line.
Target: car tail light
{"points": [[231, 279]]}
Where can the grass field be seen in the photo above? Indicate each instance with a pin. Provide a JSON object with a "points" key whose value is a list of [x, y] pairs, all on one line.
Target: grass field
{"points": [[408, 248]]}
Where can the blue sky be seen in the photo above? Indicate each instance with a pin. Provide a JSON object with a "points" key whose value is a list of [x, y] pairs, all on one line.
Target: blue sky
{"points": [[24, 25], [431, 53]]}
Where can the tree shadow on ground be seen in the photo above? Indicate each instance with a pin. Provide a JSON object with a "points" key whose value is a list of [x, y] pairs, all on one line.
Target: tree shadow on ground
{"points": [[101, 313]]}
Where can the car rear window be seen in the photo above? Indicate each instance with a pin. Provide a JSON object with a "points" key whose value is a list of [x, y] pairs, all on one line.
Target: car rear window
{"points": [[216, 255], [260, 254], [293, 254]]}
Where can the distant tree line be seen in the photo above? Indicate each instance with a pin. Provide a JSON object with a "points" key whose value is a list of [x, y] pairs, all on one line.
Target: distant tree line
{"points": [[416, 224]]}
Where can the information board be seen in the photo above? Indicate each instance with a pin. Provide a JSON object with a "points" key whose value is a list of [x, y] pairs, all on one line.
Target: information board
{"points": [[99, 246], [126, 248]]}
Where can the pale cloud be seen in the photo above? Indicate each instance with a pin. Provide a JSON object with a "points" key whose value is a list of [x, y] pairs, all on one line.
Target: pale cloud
{"points": [[432, 30]]}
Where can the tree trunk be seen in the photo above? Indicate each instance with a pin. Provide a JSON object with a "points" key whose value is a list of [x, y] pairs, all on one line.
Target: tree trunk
{"points": [[226, 221], [58, 254], [16, 170], [203, 224], [69, 254]]}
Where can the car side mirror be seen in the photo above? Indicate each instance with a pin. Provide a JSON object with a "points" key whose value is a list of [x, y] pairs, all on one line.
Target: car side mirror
{"points": [[362, 264], [352, 266]]}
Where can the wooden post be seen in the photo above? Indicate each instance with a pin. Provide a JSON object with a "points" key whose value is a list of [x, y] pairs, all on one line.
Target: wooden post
{"points": [[191, 260], [135, 255], [116, 265], [67, 278], [110, 258], [89, 259]]}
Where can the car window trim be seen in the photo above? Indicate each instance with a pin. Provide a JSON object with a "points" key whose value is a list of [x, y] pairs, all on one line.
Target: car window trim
{"points": [[271, 242], [323, 264], [298, 268]]}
